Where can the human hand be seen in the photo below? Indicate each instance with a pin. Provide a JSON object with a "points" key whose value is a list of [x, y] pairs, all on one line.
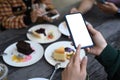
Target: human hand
{"points": [[76, 69], [46, 18], [74, 10], [99, 41], [54, 11], [47, 2], [37, 12], [108, 7]]}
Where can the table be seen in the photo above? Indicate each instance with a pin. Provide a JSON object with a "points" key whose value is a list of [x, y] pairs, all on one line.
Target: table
{"points": [[44, 69], [41, 68]]}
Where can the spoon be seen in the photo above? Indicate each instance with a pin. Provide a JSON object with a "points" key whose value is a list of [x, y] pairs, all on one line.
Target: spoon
{"points": [[57, 66]]}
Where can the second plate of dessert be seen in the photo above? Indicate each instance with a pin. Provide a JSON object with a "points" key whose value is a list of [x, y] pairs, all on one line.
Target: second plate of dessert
{"points": [[64, 29], [23, 53], [60, 52], [43, 33]]}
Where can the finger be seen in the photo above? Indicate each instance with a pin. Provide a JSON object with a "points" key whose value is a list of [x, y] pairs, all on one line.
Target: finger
{"points": [[71, 61], [63, 73], [45, 17], [107, 3], [101, 6], [40, 12], [92, 30], [55, 11], [84, 64], [77, 55], [36, 6], [87, 50]]}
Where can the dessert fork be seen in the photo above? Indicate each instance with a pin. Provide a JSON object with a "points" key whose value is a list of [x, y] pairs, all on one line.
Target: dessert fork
{"points": [[57, 66]]}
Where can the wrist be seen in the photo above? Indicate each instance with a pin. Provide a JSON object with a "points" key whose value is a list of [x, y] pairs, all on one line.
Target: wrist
{"points": [[101, 49]]}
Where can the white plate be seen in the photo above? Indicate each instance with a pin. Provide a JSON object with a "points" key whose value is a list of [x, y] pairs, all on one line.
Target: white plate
{"points": [[35, 56], [64, 29], [50, 49], [48, 28], [38, 79]]}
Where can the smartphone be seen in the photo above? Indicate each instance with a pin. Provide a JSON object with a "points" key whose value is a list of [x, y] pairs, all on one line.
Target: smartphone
{"points": [[101, 1], [78, 30], [52, 15]]}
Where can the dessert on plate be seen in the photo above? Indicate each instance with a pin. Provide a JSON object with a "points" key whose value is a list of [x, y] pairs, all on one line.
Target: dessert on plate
{"points": [[24, 48], [42, 33], [59, 54], [63, 53], [22, 52], [39, 33]]}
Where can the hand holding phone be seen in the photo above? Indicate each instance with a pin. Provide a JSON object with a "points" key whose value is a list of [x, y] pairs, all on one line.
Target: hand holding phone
{"points": [[78, 30], [53, 15]]}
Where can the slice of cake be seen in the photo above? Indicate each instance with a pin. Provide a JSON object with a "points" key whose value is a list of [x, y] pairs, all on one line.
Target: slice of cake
{"points": [[24, 48], [39, 33], [34, 33], [59, 54]]}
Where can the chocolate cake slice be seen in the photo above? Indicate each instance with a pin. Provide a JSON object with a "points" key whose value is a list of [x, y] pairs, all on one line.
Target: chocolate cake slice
{"points": [[41, 31], [24, 48]]}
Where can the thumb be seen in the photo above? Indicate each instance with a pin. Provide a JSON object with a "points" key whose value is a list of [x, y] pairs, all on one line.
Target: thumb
{"points": [[84, 64], [92, 30]]}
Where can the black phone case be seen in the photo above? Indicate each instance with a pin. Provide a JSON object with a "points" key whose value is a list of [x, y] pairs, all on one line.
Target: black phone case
{"points": [[71, 33]]}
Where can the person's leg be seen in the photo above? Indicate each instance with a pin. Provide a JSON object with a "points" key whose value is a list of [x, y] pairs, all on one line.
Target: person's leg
{"points": [[85, 5]]}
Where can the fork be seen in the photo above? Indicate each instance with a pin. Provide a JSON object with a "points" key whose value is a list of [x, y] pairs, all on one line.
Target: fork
{"points": [[57, 66]]}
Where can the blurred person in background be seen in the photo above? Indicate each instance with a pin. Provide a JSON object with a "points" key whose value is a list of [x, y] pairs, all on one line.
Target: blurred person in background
{"points": [[21, 13], [107, 6]]}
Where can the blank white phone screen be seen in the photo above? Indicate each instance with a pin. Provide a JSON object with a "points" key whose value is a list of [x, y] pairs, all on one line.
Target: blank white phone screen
{"points": [[78, 30]]}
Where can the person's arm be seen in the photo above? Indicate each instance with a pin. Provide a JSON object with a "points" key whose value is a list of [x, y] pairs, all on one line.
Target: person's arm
{"points": [[8, 19], [105, 54], [108, 7], [49, 4], [110, 59], [85, 6]]}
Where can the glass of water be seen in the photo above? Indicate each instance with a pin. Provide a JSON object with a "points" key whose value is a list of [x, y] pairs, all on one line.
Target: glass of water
{"points": [[3, 72]]}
